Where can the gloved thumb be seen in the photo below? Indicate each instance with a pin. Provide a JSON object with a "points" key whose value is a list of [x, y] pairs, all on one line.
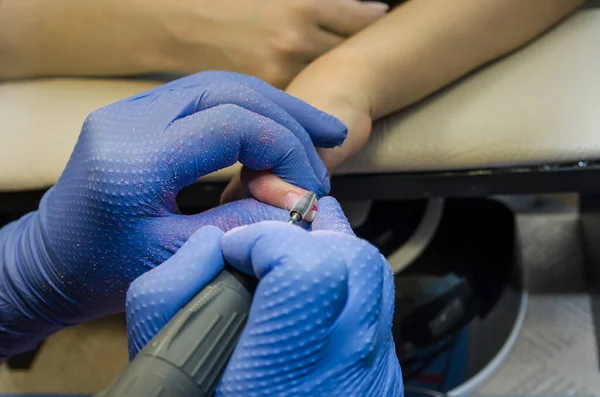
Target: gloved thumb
{"points": [[301, 293], [156, 296], [331, 217]]}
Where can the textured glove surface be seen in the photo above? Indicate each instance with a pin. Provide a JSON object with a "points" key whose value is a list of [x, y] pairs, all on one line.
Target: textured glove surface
{"points": [[112, 215], [320, 322]]}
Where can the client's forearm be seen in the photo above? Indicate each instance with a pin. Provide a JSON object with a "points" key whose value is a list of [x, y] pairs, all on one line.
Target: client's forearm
{"points": [[423, 45], [75, 37]]}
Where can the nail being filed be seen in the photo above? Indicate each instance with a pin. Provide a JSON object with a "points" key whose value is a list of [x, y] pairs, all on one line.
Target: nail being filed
{"points": [[301, 210]]}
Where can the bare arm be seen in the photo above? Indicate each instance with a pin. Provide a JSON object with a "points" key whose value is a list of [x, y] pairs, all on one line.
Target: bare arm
{"points": [[270, 39], [76, 37], [416, 49]]}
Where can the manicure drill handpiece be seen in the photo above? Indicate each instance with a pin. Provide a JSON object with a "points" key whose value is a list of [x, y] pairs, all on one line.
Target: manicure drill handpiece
{"points": [[302, 207]]}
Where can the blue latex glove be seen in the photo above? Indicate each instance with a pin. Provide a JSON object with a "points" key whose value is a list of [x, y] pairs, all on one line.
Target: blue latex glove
{"points": [[320, 322], [112, 215]]}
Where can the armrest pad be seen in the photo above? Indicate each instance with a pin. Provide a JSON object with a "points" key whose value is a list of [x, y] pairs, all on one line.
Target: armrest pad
{"points": [[538, 105]]}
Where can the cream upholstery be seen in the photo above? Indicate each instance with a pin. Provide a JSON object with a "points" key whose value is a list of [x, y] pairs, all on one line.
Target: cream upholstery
{"points": [[539, 105]]}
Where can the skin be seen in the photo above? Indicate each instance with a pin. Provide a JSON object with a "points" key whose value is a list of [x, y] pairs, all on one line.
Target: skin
{"points": [[416, 49], [269, 39]]}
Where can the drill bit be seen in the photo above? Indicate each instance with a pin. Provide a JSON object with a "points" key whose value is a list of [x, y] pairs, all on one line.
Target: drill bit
{"points": [[302, 207]]}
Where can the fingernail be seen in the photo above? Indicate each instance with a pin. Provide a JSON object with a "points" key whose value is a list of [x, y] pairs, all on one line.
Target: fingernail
{"points": [[377, 6], [291, 199]]}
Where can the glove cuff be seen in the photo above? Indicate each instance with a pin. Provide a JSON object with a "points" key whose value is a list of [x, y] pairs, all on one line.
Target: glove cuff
{"points": [[27, 296]]}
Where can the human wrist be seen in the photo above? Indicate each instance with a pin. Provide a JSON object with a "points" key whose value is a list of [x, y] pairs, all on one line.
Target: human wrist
{"points": [[182, 42], [342, 95], [329, 82]]}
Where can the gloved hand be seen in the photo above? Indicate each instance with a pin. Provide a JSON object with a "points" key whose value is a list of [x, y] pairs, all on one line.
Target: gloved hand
{"points": [[320, 322], [112, 215]]}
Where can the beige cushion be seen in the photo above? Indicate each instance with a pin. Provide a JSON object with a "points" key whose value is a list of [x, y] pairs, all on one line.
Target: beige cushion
{"points": [[539, 105]]}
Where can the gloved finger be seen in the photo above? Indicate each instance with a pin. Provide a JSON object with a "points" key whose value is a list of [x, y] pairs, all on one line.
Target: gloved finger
{"points": [[301, 293], [325, 130], [330, 216], [324, 302], [258, 248], [349, 17], [216, 138], [173, 230], [370, 301], [252, 100], [156, 296], [232, 215]]}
